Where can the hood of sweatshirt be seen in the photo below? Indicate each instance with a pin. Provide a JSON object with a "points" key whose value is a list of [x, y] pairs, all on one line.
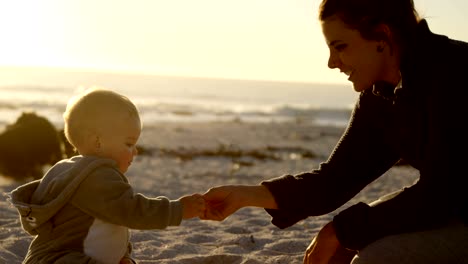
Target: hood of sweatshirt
{"points": [[39, 200]]}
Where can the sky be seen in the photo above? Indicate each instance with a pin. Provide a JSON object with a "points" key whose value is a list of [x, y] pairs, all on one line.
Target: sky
{"points": [[279, 40]]}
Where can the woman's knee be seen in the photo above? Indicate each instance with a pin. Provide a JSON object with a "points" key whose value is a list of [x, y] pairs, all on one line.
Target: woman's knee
{"points": [[382, 251], [444, 245]]}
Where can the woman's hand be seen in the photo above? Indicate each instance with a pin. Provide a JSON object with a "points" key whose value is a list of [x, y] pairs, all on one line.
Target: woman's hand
{"points": [[222, 201], [323, 246]]}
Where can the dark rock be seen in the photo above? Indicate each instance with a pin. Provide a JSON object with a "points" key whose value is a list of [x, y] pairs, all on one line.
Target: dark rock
{"points": [[27, 145], [67, 148]]}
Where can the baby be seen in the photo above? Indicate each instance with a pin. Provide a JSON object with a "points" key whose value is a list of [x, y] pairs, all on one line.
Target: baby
{"points": [[82, 209]]}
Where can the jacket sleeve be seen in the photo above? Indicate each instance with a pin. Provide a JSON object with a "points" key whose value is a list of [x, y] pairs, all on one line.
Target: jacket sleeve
{"points": [[106, 194], [360, 156]]}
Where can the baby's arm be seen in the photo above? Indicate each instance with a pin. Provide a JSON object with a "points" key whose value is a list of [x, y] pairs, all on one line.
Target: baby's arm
{"points": [[105, 195], [193, 206]]}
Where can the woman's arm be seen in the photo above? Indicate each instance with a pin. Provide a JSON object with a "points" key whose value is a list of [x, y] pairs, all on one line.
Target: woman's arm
{"points": [[364, 153]]}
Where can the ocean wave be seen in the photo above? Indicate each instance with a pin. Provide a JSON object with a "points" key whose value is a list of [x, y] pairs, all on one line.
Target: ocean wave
{"points": [[196, 100]]}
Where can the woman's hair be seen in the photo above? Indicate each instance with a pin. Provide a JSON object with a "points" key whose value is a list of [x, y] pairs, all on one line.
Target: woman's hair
{"points": [[365, 15], [94, 110]]}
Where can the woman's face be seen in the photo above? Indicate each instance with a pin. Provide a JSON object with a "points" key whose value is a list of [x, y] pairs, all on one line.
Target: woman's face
{"points": [[355, 56]]}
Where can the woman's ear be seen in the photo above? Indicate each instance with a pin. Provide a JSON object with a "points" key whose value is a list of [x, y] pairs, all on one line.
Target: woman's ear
{"points": [[383, 32], [384, 37]]}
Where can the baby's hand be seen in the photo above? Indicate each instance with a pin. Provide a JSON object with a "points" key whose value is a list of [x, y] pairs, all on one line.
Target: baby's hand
{"points": [[193, 206]]}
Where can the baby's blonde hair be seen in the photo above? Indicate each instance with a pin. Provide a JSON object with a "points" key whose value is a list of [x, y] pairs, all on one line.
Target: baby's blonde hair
{"points": [[89, 112]]}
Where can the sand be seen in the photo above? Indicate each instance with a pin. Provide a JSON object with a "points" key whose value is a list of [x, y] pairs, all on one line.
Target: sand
{"points": [[185, 158]]}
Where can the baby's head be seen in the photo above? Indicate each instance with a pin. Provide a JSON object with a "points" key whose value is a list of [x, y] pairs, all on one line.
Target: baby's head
{"points": [[103, 123]]}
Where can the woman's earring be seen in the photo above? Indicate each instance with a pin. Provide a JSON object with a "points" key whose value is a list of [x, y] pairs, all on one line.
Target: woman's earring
{"points": [[380, 48]]}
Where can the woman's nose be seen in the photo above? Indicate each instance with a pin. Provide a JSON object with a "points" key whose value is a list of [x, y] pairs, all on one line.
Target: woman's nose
{"points": [[333, 61]]}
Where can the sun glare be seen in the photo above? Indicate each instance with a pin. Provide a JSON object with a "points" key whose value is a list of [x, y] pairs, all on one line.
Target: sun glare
{"points": [[259, 39], [25, 27]]}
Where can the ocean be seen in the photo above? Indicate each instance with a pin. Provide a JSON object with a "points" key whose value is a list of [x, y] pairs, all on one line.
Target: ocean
{"points": [[178, 99]]}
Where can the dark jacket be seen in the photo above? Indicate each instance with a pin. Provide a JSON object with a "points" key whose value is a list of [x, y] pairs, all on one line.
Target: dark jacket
{"points": [[421, 123]]}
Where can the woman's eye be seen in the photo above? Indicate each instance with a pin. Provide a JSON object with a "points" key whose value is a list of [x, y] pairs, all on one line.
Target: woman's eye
{"points": [[340, 47]]}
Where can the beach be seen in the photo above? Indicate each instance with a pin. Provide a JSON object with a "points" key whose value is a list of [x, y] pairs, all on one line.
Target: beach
{"points": [[179, 158]]}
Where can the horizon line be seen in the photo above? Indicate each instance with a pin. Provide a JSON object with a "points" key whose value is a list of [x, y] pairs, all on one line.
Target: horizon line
{"points": [[145, 73]]}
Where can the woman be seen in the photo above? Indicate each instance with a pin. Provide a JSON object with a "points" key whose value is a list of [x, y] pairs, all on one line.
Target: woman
{"points": [[412, 91]]}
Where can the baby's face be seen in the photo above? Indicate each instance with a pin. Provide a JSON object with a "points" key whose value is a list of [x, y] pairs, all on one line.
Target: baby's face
{"points": [[119, 140]]}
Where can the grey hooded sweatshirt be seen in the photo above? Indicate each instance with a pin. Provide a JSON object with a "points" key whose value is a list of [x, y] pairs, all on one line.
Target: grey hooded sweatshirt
{"points": [[82, 209]]}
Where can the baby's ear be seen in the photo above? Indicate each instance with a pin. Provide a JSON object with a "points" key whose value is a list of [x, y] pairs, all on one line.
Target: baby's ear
{"points": [[91, 144], [96, 143]]}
